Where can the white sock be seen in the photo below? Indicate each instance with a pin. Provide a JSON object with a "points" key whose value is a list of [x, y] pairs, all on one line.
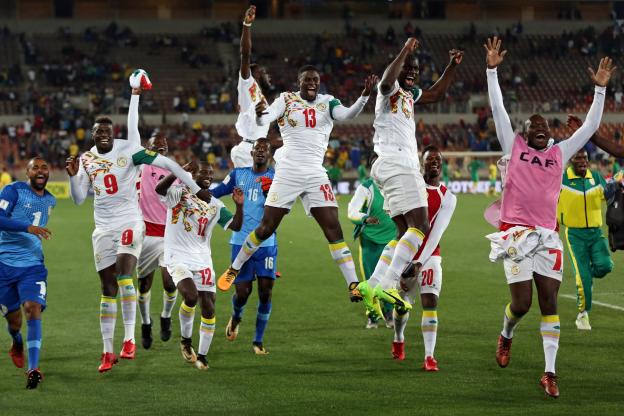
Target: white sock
{"points": [[169, 300], [206, 332], [108, 317], [187, 316], [144, 307], [429, 327], [128, 305], [406, 249], [344, 259], [400, 322], [510, 322], [550, 327], [383, 263], [250, 246]]}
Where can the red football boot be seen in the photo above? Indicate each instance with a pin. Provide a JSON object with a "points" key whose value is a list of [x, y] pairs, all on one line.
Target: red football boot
{"points": [[549, 383], [128, 349], [17, 355], [398, 350], [108, 360], [503, 351], [430, 364]]}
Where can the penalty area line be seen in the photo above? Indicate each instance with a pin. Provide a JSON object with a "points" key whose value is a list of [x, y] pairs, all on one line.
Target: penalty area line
{"points": [[595, 302]]}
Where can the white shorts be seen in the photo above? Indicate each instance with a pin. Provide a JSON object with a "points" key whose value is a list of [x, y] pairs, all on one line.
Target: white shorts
{"points": [[429, 279], [315, 191], [402, 187], [204, 279], [152, 255], [107, 244], [241, 155], [544, 261]]}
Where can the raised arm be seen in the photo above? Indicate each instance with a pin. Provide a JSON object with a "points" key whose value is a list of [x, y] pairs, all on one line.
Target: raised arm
{"points": [[437, 92], [504, 131], [340, 112], [79, 182], [581, 136], [610, 146], [391, 74], [148, 157], [440, 224], [245, 42], [266, 115], [226, 187], [134, 137]]}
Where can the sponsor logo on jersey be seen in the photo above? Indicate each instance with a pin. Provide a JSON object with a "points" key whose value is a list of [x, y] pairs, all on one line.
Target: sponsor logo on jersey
{"points": [[122, 161]]}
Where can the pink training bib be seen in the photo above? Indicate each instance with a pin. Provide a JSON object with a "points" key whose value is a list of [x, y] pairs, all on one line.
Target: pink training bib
{"points": [[153, 209], [532, 186]]}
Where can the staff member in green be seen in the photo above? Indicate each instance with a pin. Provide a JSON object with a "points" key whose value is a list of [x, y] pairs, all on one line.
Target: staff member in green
{"points": [[376, 230], [580, 210]]}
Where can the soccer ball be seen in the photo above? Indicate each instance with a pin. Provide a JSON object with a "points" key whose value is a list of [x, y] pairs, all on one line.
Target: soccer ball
{"points": [[140, 79]]}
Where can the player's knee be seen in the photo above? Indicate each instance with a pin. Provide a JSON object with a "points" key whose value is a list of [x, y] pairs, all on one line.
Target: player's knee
{"points": [[264, 295], [144, 285], [32, 310], [168, 286], [521, 307], [110, 289], [333, 231], [429, 301], [190, 299], [602, 268]]}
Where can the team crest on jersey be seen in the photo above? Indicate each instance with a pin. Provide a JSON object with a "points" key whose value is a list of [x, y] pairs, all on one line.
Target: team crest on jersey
{"points": [[321, 107], [188, 206], [122, 161]]}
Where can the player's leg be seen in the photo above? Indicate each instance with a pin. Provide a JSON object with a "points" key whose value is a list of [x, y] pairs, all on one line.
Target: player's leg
{"points": [[409, 292], [10, 308], [550, 328], [265, 291], [108, 315], [14, 326], [126, 263], [207, 327], [579, 253], [374, 259], [240, 297], [170, 294], [188, 291], [601, 262], [32, 310], [145, 296], [430, 285]]}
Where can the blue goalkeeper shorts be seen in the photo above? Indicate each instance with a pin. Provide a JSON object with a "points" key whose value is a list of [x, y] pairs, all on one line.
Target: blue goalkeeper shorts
{"points": [[263, 263], [22, 284]]}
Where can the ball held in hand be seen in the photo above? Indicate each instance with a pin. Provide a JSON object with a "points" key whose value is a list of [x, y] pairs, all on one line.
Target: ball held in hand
{"points": [[140, 79]]}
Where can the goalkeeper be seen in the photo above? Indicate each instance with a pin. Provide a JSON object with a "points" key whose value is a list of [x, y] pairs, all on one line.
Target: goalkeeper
{"points": [[255, 182], [376, 230]]}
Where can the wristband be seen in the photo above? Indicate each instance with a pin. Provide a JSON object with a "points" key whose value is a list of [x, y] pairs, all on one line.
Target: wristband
{"points": [[246, 24]]}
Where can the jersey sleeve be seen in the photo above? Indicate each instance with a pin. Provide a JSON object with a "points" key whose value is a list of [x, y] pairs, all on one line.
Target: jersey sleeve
{"points": [[502, 123], [79, 185], [440, 224], [144, 156], [244, 99], [8, 200], [226, 187], [173, 197], [275, 111], [339, 112], [360, 198], [225, 217]]}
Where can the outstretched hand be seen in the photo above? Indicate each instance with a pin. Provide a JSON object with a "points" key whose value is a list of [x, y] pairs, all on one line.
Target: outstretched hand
{"points": [[605, 70], [574, 122], [250, 15], [494, 56], [456, 56], [369, 83]]}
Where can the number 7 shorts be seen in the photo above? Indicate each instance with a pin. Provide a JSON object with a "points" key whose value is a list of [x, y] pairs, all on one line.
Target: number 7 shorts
{"points": [[314, 189], [544, 261], [107, 244]]}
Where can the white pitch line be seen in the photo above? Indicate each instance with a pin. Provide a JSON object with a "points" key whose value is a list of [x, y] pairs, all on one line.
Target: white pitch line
{"points": [[595, 302]]}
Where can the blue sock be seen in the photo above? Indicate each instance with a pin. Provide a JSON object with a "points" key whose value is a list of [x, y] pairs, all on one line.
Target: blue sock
{"points": [[34, 343], [237, 308], [16, 335], [262, 319]]}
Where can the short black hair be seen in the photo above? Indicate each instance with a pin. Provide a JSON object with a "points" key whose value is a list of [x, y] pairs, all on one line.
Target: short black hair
{"points": [[430, 148], [103, 120], [264, 139], [306, 68]]}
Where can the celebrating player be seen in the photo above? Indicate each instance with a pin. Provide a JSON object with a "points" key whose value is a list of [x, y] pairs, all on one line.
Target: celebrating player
{"points": [[254, 83], [111, 168], [528, 242], [190, 221], [427, 270], [25, 208], [306, 119], [153, 251], [254, 182], [397, 169]]}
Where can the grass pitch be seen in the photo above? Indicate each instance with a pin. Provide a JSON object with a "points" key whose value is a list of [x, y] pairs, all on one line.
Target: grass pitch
{"points": [[322, 360]]}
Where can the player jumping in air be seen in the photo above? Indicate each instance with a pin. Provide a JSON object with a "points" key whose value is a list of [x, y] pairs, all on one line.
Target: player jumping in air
{"points": [[111, 168], [425, 278], [25, 208], [254, 182], [528, 242], [190, 221], [305, 119], [153, 251], [397, 169]]}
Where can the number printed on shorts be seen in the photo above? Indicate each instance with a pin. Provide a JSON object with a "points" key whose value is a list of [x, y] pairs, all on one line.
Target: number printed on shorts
{"points": [[42, 289], [427, 277], [206, 276], [327, 192], [110, 183], [558, 255], [126, 237], [203, 222], [268, 263], [310, 117]]}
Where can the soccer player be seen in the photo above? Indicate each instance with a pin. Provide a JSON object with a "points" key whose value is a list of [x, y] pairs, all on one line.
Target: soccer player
{"points": [[528, 243], [474, 167], [255, 183], [580, 210], [153, 251], [375, 229], [111, 168], [254, 83], [190, 221], [25, 208], [425, 278], [493, 175], [305, 119], [397, 169]]}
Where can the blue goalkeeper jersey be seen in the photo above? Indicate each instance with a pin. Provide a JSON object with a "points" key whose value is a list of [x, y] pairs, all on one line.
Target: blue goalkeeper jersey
{"points": [[20, 207], [253, 209]]}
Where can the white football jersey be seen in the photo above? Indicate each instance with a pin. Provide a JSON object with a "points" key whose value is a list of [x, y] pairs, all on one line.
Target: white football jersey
{"points": [[395, 129], [190, 222], [249, 95]]}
